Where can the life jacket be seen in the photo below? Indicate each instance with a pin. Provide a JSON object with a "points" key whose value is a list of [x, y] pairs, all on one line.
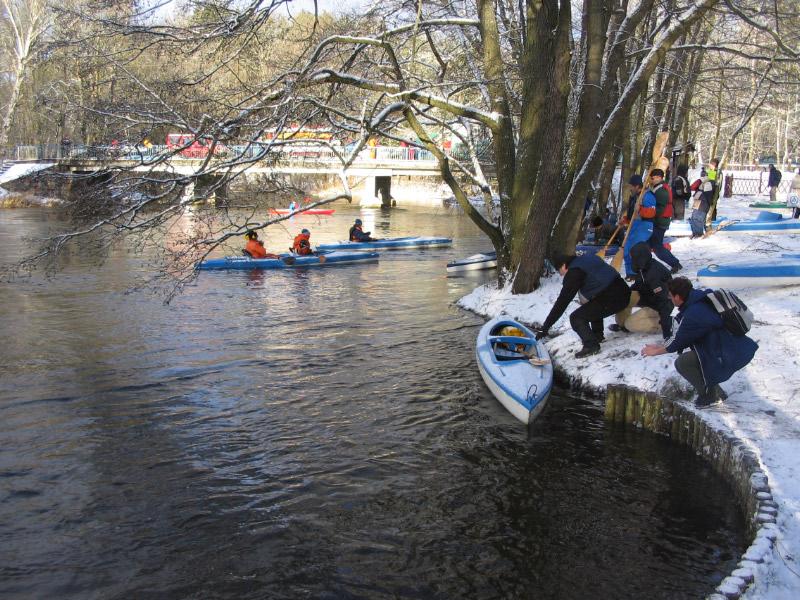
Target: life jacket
{"points": [[599, 274], [255, 249], [668, 210], [302, 245], [647, 209], [355, 230]]}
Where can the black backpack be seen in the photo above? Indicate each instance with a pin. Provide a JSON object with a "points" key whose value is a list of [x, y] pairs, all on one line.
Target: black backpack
{"points": [[736, 317], [680, 187]]}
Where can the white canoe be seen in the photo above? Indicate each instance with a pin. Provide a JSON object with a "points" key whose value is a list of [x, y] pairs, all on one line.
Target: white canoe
{"points": [[776, 272], [476, 262], [520, 385]]}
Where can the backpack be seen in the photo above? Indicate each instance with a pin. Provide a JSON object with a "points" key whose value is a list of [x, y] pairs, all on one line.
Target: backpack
{"points": [[680, 186], [736, 317]]}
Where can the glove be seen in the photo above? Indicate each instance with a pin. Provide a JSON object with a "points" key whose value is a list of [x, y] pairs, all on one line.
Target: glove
{"points": [[541, 334]]}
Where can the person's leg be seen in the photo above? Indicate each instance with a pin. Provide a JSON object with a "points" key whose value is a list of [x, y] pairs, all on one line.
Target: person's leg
{"points": [[657, 244], [623, 315], [688, 366], [773, 193], [698, 222], [644, 320], [580, 320]]}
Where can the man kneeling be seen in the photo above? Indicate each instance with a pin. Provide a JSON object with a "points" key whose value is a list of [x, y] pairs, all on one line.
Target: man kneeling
{"points": [[713, 354], [649, 291], [604, 291]]}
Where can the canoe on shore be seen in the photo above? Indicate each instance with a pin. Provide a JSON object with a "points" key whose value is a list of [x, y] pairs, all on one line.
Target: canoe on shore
{"points": [[595, 248], [307, 211], [771, 205], [287, 261], [476, 262], [683, 229], [767, 272], [771, 227], [515, 367], [390, 243]]}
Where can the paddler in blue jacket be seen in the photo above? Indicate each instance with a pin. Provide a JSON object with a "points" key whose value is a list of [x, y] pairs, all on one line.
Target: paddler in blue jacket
{"points": [[357, 234], [712, 353], [604, 291]]}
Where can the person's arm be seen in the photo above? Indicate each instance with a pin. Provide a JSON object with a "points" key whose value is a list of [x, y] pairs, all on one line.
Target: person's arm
{"points": [[653, 350], [573, 281]]}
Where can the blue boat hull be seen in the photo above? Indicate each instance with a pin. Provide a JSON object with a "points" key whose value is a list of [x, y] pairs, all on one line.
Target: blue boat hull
{"points": [[760, 273], [390, 244], [521, 387], [783, 226], [595, 248], [287, 261]]}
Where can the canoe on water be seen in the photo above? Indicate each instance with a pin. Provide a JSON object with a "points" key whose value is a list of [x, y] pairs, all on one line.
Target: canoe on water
{"points": [[766, 272], [476, 262], [288, 261], [390, 244], [516, 368], [301, 211]]}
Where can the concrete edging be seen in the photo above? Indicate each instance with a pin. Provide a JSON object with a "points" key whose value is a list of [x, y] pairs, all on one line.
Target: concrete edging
{"points": [[727, 455]]}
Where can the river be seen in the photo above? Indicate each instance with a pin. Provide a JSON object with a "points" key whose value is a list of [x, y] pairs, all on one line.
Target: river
{"points": [[318, 433]]}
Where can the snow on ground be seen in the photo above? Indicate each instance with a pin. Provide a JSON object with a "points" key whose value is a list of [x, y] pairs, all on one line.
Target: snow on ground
{"points": [[763, 408], [21, 170]]}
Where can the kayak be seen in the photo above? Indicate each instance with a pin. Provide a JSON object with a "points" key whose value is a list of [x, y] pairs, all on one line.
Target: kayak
{"points": [[595, 248], [307, 211], [768, 272], [390, 244], [522, 384], [476, 262], [782, 226], [683, 229], [287, 261], [769, 205]]}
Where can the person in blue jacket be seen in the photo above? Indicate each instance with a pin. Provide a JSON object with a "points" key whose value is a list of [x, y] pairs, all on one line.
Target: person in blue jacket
{"points": [[710, 354], [642, 228], [603, 293]]}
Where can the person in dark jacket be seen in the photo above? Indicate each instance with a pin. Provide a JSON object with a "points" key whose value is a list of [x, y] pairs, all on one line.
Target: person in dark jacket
{"points": [[604, 291], [774, 180], [649, 291], [662, 219], [713, 354], [358, 235], [680, 191]]}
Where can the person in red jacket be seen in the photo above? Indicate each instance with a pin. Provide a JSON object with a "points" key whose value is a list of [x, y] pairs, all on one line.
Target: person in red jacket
{"points": [[255, 247], [302, 243]]}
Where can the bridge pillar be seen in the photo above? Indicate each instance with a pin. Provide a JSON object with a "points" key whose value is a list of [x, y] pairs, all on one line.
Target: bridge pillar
{"points": [[377, 191], [207, 187]]}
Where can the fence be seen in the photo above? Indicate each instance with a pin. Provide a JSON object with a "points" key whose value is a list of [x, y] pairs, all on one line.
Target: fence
{"points": [[752, 185]]}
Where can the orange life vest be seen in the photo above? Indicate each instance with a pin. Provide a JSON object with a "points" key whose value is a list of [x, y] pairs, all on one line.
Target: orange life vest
{"points": [[302, 245], [255, 249]]}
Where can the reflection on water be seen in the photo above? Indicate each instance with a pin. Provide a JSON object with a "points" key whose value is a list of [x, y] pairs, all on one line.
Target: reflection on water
{"points": [[317, 433]]}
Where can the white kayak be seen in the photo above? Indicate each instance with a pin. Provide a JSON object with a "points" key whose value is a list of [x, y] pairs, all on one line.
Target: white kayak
{"points": [[516, 368], [684, 229], [767, 272], [476, 262]]}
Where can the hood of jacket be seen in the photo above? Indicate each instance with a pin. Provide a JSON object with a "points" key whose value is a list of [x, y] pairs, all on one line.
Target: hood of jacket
{"points": [[640, 256]]}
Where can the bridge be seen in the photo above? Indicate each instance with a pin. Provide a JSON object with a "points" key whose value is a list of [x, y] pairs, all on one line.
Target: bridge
{"points": [[378, 174]]}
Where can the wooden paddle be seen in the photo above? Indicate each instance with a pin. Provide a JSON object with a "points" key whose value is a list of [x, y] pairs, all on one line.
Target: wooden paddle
{"points": [[658, 150], [602, 252], [722, 225]]}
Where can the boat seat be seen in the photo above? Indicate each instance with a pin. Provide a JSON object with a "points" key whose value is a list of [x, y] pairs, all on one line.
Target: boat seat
{"points": [[510, 339], [504, 354]]}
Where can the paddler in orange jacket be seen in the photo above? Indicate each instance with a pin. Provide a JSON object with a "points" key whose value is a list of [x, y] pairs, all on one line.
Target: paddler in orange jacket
{"points": [[302, 245], [255, 247]]}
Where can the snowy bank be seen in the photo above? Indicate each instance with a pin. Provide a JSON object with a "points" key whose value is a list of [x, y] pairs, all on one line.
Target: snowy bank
{"points": [[763, 408]]}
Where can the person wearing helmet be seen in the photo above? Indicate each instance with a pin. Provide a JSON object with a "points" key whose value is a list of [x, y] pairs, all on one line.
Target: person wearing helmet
{"points": [[302, 243], [254, 247], [357, 234]]}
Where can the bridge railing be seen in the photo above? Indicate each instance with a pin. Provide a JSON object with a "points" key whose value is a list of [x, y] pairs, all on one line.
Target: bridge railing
{"points": [[288, 153]]}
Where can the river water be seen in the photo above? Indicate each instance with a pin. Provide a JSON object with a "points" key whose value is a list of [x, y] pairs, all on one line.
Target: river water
{"points": [[317, 433]]}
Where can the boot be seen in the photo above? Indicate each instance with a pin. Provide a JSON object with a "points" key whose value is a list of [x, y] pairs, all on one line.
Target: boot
{"points": [[615, 327], [588, 350]]}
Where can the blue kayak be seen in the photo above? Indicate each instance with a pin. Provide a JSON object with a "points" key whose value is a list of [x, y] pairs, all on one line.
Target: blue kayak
{"points": [[288, 261], [595, 248], [782, 226], [515, 367], [684, 229], [390, 244], [766, 272]]}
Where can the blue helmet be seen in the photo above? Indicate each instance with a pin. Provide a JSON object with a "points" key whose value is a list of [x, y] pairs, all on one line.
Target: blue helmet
{"points": [[306, 232], [358, 221]]}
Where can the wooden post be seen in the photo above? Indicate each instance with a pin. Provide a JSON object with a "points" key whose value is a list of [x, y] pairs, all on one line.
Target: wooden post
{"points": [[612, 392], [619, 406]]}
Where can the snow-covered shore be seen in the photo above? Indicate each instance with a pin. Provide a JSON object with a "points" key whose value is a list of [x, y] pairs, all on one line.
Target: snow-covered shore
{"points": [[763, 408]]}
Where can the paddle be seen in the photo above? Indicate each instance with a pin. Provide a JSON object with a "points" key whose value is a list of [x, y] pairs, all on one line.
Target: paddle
{"points": [[658, 149], [602, 252], [722, 225]]}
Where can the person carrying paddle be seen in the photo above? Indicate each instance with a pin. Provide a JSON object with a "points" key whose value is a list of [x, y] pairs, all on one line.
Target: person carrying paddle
{"points": [[642, 228], [602, 288], [713, 354], [357, 234], [255, 247], [662, 219], [302, 243], [649, 291]]}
